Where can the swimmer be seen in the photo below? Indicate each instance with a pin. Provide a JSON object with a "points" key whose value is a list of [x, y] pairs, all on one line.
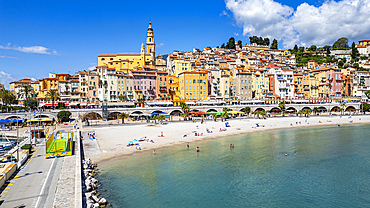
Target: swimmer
{"points": [[286, 154], [187, 145], [197, 149], [154, 152]]}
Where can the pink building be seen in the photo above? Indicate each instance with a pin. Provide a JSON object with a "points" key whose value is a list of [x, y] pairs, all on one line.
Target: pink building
{"points": [[335, 82]]}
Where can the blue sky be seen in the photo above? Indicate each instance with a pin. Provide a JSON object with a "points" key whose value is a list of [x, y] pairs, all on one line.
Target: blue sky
{"points": [[38, 37]]}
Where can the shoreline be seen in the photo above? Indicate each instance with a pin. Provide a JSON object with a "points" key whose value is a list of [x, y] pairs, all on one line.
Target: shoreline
{"points": [[109, 153]]}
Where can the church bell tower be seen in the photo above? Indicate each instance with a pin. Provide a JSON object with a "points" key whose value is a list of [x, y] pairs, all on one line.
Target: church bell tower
{"points": [[150, 45]]}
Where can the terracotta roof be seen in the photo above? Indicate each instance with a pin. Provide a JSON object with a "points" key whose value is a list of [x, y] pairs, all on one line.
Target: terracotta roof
{"points": [[107, 55]]}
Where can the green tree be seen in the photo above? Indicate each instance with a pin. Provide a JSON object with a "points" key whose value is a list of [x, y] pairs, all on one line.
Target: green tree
{"points": [[266, 41], [343, 106], [246, 110], [327, 50], [253, 39], [123, 116], [61, 106], [63, 116], [223, 45], [315, 109], [185, 108], [225, 109], [8, 98], [301, 49], [274, 44], [52, 95], [356, 65], [161, 118], [367, 93], [341, 43], [240, 44], [295, 49], [282, 107], [231, 43], [340, 63], [312, 48], [32, 103], [365, 107], [354, 53], [257, 113]]}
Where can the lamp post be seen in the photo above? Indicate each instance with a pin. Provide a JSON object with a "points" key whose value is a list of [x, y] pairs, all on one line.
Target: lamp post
{"points": [[17, 139]]}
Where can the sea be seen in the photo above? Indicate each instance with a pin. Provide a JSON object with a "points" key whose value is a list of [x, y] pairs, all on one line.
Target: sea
{"points": [[302, 167]]}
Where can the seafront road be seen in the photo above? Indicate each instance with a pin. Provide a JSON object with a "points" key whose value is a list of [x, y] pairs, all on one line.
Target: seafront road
{"points": [[34, 185]]}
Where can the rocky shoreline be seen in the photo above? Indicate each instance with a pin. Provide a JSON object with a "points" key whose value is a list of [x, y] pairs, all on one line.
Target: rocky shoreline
{"points": [[91, 198]]}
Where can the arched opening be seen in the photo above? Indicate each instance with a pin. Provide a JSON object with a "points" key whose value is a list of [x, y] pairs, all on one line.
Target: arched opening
{"points": [[113, 115], [136, 113], [150, 50], [150, 39], [13, 117], [306, 108], [321, 109], [259, 109], [176, 113], [212, 110], [92, 116], [335, 109], [275, 110], [350, 109], [291, 110], [41, 116]]}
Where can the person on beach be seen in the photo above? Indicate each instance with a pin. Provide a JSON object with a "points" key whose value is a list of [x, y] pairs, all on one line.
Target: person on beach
{"points": [[187, 145], [154, 152], [197, 149]]}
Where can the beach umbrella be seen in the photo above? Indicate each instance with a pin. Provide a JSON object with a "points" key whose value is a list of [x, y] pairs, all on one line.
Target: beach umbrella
{"points": [[135, 140], [219, 113], [227, 123], [160, 113], [130, 142]]}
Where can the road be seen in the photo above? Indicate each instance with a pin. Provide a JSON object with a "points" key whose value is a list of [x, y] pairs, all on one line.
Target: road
{"points": [[35, 183]]}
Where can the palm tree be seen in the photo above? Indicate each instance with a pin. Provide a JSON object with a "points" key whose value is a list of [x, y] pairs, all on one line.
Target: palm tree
{"points": [[258, 113], [7, 98], [225, 109], [123, 116], [185, 108], [263, 114], [214, 116], [53, 95], [155, 117], [27, 91], [315, 109], [282, 107], [343, 105], [224, 116], [161, 118], [307, 112], [247, 110]]}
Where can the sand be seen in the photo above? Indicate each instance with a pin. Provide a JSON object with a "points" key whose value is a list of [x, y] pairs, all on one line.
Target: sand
{"points": [[113, 140]]}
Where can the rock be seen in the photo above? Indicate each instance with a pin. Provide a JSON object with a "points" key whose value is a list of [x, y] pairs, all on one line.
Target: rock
{"points": [[95, 198], [102, 201]]}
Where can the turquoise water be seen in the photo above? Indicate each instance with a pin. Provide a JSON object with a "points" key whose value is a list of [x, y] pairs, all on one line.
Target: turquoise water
{"points": [[325, 167]]}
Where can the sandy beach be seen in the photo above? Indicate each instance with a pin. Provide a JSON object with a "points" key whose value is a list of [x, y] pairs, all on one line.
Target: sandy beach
{"points": [[111, 141]]}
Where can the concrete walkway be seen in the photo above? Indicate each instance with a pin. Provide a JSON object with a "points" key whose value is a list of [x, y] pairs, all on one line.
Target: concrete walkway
{"points": [[34, 184]]}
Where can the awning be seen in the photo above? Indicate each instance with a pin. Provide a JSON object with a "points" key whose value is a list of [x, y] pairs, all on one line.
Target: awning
{"points": [[46, 119], [235, 112], [83, 104], [159, 103]]}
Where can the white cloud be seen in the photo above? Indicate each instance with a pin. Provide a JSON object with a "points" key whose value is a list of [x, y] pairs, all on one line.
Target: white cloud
{"points": [[161, 44], [29, 49], [6, 56], [6, 78], [224, 13], [307, 25], [91, 68], [236, 34]]}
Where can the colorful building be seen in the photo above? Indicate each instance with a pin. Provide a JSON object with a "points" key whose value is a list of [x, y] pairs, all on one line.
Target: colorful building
{"points": [[193, 85]]}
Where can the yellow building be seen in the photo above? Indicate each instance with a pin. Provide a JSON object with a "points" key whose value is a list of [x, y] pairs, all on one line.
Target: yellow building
{"points": [[125, 61], [173, 86], [286, 53], [181, 65], [260, 82], [364, 42], [344, 56], [46, 85], [193, 85], [314, 83]]}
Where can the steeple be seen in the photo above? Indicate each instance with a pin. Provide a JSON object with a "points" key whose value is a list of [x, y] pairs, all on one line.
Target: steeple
{"points": [[150, 45], [142, 51]]}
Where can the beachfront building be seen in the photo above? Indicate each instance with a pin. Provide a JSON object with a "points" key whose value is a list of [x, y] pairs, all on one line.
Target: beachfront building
{"points": [[173, 87], [284, 82], [193, 85], [92, 82], [144, 83], [260, 83], [362, 84], [161, 90], [17, 87], [75, 93], [243, 85], [46, 85]]}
